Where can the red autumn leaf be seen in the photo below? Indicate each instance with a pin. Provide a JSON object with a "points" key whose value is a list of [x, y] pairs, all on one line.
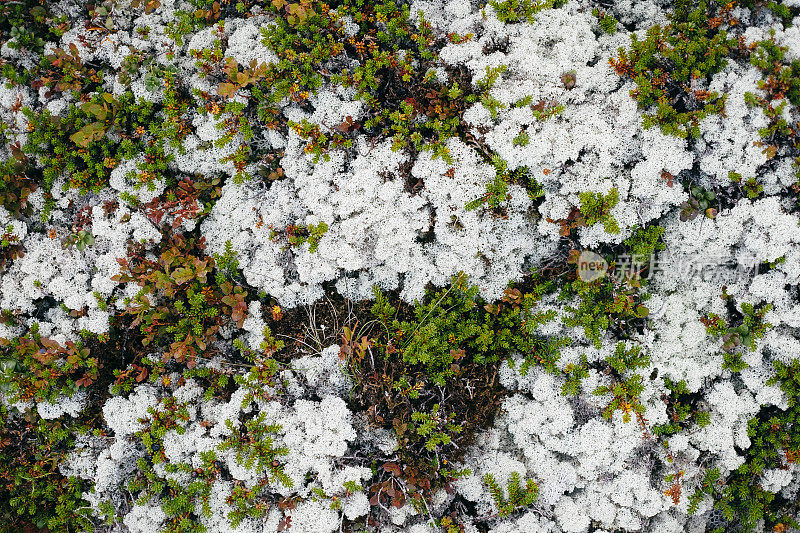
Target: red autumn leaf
{"points": [[85, 381], [348, 125], [399, 500], [285, 523], [393, 468]]}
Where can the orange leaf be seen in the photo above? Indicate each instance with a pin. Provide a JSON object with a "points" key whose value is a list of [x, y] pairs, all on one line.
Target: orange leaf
{"points": [[227, 89]]}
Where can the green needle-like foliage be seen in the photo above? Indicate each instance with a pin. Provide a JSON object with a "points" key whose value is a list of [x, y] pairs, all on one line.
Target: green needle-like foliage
{"points": [[596, 207], [670, 60], [519, 496]]}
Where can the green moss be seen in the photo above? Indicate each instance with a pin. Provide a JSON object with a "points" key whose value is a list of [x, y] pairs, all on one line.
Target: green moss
{"points": [[596, 207], [645, 242], [607, 22]]}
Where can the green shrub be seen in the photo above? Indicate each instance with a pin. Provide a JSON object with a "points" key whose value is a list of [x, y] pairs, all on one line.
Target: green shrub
{"points": [[29, 24], [681, 409], [519, 496], [455, 324], [33, 493], [254, 447], [751, 328], [596, 207], [78, 145], [644, 242], [435, 428], [36, 368], [775, 443], [607, 22], [178, 308], [780, 87], [429, 372], [513, 11], [603, 305], [627, 385], [667, 64], [17, 182]]}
